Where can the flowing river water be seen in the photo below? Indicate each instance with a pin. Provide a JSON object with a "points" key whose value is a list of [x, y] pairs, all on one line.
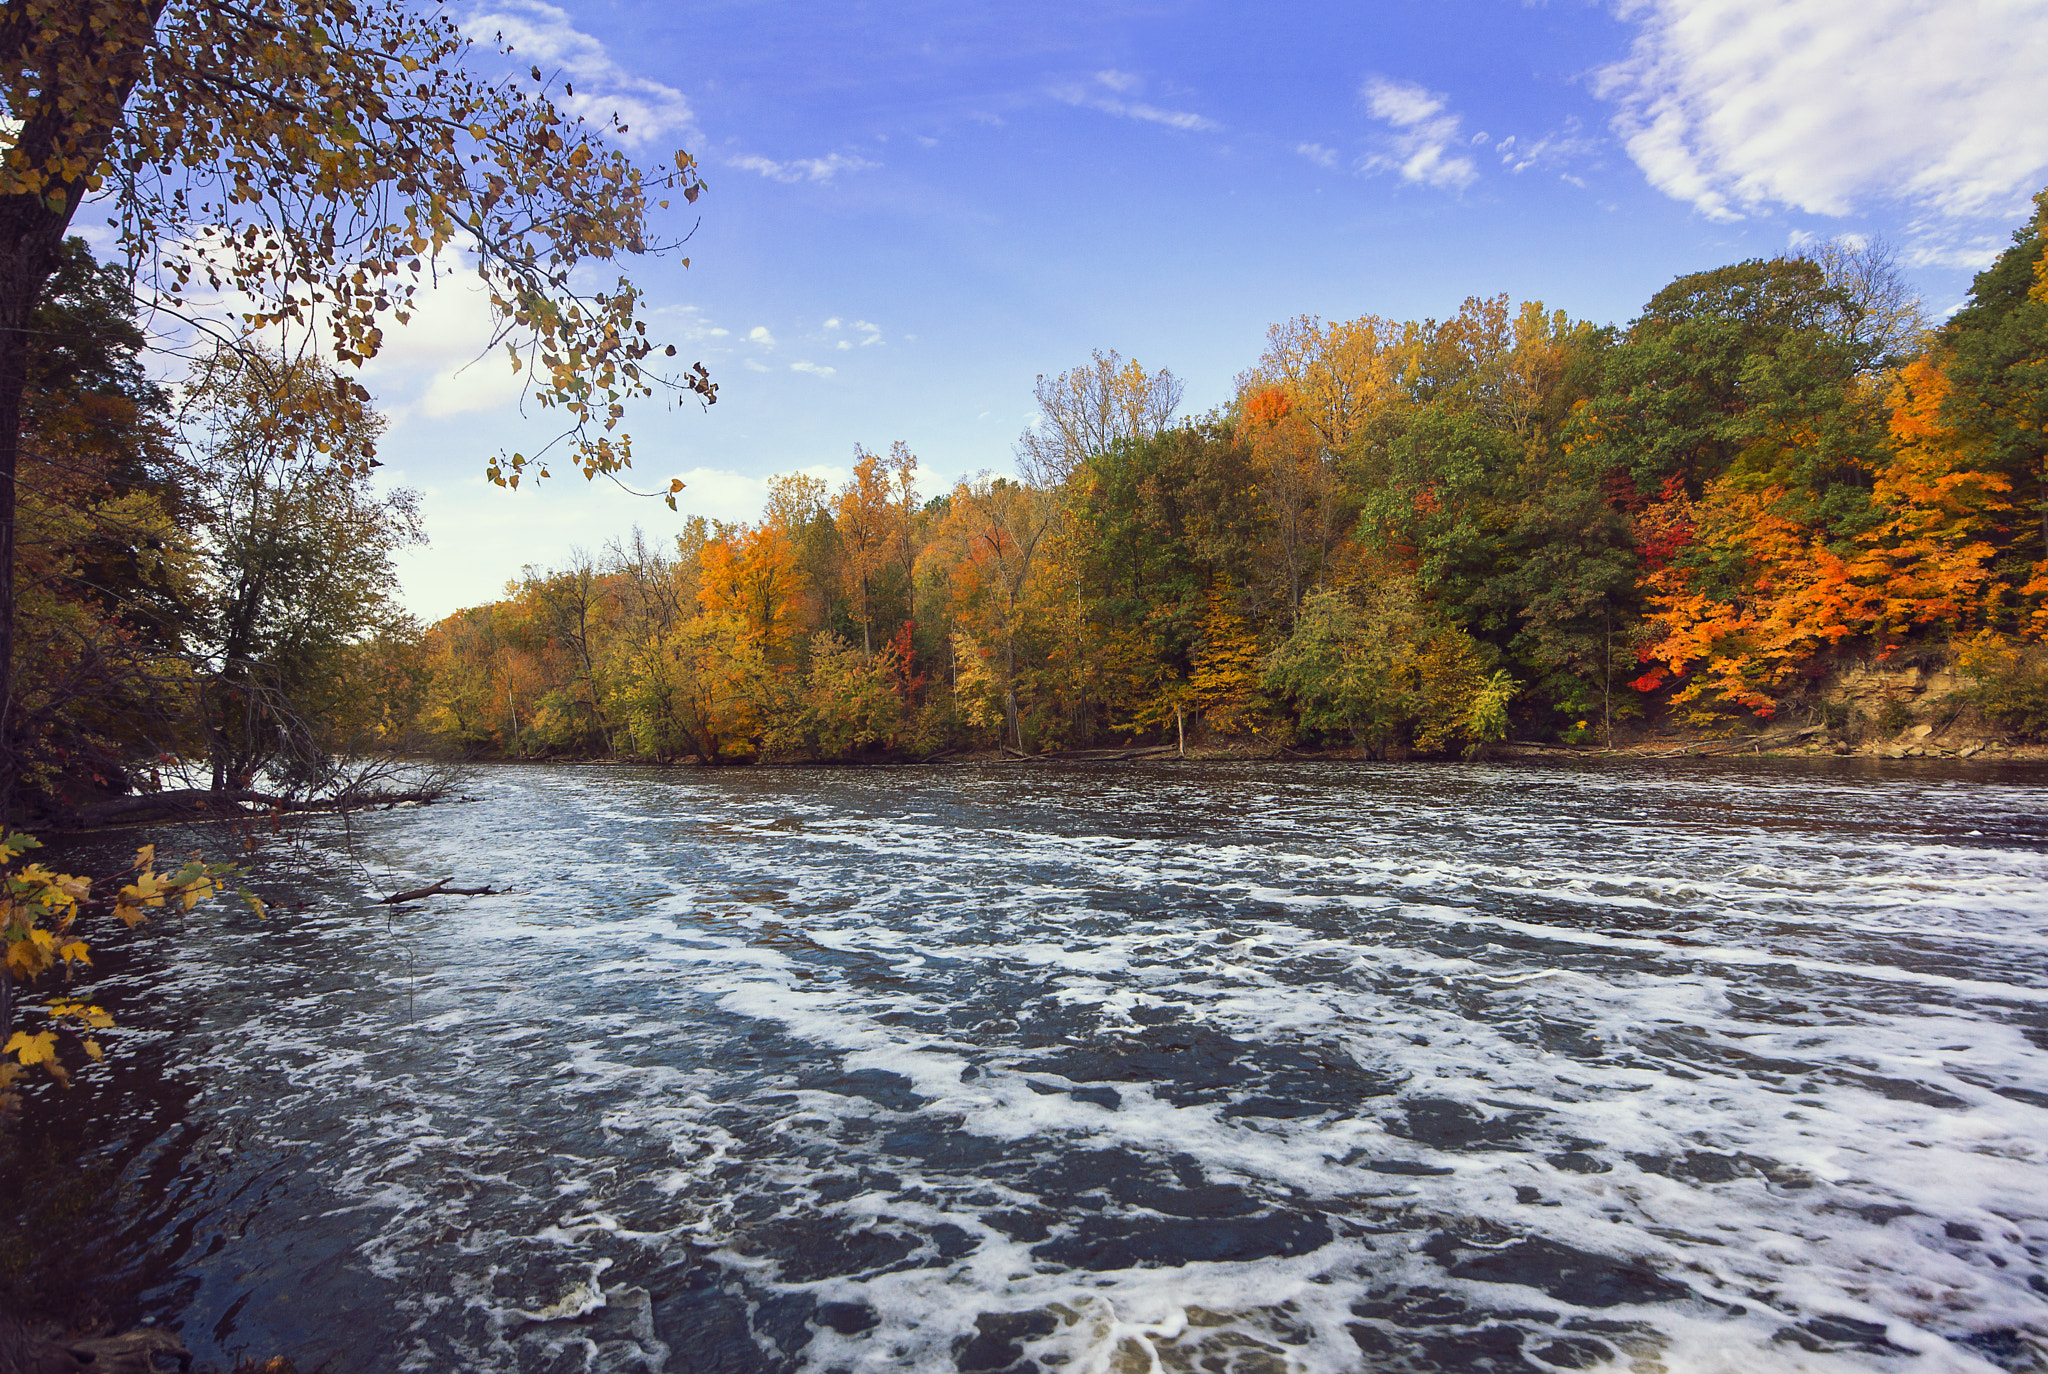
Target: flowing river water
{"points": [[1719, 1067]]}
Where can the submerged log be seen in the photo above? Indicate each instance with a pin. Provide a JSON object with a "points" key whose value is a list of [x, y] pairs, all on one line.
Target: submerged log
{"points": [[137, 1352]]}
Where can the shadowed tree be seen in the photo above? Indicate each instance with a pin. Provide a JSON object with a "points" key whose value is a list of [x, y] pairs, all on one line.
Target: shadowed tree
{"points": [[315, 158]]}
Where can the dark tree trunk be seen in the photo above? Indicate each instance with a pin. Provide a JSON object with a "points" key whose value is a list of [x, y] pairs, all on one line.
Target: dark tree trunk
{"points": [[29, 242], [85, 73]]}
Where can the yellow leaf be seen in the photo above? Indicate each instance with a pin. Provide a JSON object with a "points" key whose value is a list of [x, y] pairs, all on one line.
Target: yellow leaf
{"points": [[92, 1047], [75, 953], [255, 904], [33, 1049], [145, 856]]}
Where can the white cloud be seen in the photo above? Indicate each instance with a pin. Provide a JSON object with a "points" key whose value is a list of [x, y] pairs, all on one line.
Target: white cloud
{"points": [[756, 365], [543, 35], [872, 331], [1519, 154], [437, 364], [684, 324], [813, 369], [1423, 138], [759, 335], [1123, 83], [816, 169], [832, 323], [1973, 253], [1317, 153], [1740, 106], [842, 344]]}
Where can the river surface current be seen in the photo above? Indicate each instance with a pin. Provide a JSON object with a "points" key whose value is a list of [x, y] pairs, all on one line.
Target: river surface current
{"points": [[1725, 1067]]}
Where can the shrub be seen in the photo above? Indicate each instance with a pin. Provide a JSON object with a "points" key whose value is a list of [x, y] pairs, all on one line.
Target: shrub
{"points": [[2009, 682]]}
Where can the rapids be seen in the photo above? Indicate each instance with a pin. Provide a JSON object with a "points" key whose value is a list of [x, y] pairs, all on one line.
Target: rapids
{"points": [[1717, 1067]]}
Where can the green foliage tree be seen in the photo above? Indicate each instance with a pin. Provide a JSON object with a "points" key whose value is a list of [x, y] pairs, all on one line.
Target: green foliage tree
{"points": [[1744, 365], [1998, 367], [298, 558], [1349, 672]]}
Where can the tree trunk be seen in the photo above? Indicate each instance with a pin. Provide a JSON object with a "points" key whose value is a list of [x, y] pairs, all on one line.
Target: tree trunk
{"points": [[28, 255], [86, 70], [1607, 674]]}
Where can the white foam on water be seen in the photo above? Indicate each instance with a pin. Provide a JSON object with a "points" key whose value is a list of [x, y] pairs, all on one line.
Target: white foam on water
{"points": [[909, 1046]]}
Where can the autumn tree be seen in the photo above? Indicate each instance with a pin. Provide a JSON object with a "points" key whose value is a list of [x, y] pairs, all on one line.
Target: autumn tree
{"points": [[316, 159], [297, 555], [105, 580], [994, 532], [1086, 409], [872, 513]]}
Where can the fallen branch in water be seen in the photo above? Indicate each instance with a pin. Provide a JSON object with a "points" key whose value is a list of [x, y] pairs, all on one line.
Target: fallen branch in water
{"points": [[205, 804], [440, 889]]}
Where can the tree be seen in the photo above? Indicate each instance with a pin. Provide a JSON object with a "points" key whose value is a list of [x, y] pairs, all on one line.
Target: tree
{"points": [[317, 157], [1339, 377], [865, 516], [1747, 365], [1086, 409], [995, 528], [1998, 367], [298, 555], [1350, 671], [104, 579]]}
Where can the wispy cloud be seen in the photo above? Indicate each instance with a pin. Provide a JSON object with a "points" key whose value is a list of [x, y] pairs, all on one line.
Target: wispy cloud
{"points": [[545, 36], [1426, 142], [812, 368], [1519, 154], [817, 169], [1741, 106], [1106, 90], [869, 333], [759, 335], [1317, 153]]}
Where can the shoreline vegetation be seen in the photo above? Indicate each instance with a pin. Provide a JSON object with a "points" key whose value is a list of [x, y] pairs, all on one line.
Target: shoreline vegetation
{"points": [[1778, 502], [1777, 510]]}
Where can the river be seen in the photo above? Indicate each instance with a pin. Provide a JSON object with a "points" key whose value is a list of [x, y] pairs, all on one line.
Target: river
{"points": [[1713, 1067]]}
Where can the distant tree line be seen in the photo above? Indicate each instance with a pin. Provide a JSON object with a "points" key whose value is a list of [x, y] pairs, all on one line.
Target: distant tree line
{"points": [[1420, 536], [1397, 536]]}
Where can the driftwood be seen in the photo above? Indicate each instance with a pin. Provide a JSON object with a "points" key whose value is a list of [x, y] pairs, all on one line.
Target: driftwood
{"points": [[1147, 751], [440, 889], [138, 1352], [1717, 748], [204, 804]]}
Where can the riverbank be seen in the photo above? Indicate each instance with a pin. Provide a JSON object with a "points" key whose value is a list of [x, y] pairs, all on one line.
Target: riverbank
{"points": [[1808, 741]]}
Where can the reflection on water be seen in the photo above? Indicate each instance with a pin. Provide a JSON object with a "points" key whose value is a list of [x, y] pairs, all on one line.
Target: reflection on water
{"points": [[1737, 1067]]}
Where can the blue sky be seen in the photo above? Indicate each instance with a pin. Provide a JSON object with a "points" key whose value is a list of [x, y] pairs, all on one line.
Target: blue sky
{"points": [[914, 209]]}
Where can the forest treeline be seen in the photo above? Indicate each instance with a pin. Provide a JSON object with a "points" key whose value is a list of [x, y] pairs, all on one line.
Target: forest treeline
{"points": [[1398, 535]]}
